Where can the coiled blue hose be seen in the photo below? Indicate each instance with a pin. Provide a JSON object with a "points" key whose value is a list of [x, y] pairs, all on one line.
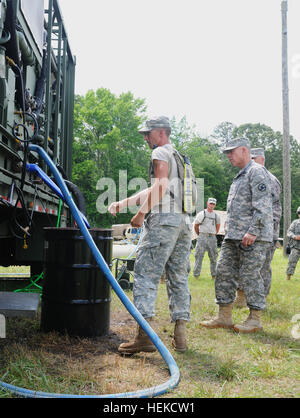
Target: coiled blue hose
{"points": [[166, 355]]}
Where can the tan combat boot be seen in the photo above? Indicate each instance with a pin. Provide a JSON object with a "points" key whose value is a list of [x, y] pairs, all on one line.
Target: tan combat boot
{"points": [[141, 342], [223, 320], [288, 276], [240, 300], [179, 341], [252, 323]]}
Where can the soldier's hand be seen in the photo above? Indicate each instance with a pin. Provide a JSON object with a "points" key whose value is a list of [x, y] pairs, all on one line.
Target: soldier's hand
{"points": [[297, 237], [248, 239], [138, 220], [114, 208]]}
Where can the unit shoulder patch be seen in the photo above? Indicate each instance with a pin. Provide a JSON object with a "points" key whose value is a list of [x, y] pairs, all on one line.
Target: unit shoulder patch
{"points": [[262, 187]]}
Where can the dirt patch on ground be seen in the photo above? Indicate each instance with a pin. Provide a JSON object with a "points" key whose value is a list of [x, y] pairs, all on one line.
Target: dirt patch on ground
{"points": [[89, 365], [27, 332]]}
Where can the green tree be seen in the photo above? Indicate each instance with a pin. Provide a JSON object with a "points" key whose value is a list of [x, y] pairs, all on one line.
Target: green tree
{"points": [[223, 132], [207, 161], [181, 133], [261, 135], [107, 141]]}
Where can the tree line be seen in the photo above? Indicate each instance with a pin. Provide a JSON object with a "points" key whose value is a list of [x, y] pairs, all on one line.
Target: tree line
{"points": [[106, 141]]}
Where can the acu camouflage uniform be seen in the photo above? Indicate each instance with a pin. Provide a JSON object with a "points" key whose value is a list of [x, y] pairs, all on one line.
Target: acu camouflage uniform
{"points": [[266, 270], [294, 256], [207, 242], [165, 248], [249, 209]]}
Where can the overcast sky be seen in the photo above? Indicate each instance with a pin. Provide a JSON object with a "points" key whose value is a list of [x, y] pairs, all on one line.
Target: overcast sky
{"points": [[208, 60]]}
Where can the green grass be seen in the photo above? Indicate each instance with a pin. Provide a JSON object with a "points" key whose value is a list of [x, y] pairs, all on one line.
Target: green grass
{"points": [[221, 363], [218, 363]]}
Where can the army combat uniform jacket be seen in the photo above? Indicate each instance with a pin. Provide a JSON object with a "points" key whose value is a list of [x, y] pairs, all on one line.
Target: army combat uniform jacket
{"points": [[249, 204], [293, 230], [249, 210], [266, 270], [276, 204]]}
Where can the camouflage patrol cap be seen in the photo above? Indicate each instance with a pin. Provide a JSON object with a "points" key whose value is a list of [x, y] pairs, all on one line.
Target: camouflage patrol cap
{"points": [[212, 200], [298, 210], [155, 123], [235, 143], [257, 152]]}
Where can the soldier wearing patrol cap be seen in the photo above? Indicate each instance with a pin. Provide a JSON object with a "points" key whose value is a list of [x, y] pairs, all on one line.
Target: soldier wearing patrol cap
{"points": [[258, 155], [249, 232], [294, 235], [166, 242], [207, 225]]}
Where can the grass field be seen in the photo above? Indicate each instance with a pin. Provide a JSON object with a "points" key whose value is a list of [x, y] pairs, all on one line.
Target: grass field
{"points": [[218, 363]]}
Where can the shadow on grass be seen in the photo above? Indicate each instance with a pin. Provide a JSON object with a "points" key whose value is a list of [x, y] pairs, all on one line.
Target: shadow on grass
{"points": [[270, 338], [202, 366], [274, 312], [210, 368]]}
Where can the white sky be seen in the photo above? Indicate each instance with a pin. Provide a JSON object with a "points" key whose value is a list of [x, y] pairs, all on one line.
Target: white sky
{"points": [[208, 60]]}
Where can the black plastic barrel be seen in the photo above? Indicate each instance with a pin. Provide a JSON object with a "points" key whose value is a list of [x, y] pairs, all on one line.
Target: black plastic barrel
{"points": [[76, 295]]}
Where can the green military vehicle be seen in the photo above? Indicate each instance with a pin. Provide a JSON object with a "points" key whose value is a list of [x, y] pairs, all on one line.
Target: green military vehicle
{"points": [[36, 107]]}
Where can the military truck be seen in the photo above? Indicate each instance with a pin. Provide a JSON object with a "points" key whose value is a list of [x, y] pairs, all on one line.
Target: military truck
{"points": [[36, 106]]}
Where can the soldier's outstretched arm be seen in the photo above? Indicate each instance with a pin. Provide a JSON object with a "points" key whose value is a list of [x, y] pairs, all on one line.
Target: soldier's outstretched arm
{"points": [[135, 200]]}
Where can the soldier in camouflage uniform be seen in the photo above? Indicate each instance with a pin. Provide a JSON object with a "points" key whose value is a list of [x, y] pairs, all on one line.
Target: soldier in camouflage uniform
{"points": [[249, 232], [207, 225], [258, 155], [166, 243], [294, 236]]}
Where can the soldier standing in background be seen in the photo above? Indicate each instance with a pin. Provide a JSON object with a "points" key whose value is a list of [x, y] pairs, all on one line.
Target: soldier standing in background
{"points": [[258, 155], [248, 236], [207, 225], [294, 236], [166, 243]]}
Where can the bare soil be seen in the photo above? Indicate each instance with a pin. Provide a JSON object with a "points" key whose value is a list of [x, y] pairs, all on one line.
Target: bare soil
{"points": [[91, 365]]}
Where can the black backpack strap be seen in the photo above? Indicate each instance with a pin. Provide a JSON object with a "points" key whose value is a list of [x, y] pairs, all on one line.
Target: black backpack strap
{"points": [[150, 172], [204, 216]]}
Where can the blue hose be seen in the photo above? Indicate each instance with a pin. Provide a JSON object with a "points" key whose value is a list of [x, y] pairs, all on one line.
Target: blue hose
{"points": [[34, 168], [166, 355]]}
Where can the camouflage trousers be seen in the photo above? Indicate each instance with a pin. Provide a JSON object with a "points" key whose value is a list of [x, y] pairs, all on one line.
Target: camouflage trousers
{"points": [[240, 267], [165, 247], [293, 260], [206, 242], [266, 270]]}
